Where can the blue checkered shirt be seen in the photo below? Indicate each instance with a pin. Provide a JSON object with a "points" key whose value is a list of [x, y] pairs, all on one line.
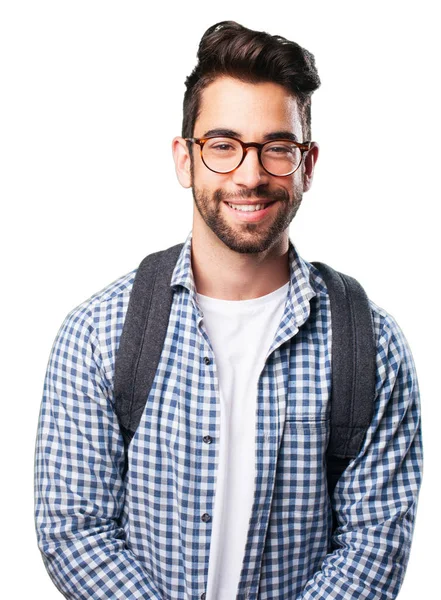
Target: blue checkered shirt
{"points": [[147, 535]]}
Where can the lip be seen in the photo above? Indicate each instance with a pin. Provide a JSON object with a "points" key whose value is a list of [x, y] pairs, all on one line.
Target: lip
{"points": [[252, 216]]}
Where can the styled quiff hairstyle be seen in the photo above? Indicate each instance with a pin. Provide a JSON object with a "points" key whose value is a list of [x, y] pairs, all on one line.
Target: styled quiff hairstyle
{"points": [[230, 49]]}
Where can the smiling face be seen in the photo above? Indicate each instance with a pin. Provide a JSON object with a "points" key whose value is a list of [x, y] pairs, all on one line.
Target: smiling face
{"points": [[252, 113]]}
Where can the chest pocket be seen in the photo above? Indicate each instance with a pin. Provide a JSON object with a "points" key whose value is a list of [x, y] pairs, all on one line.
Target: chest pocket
{"points": [[301, 486]]}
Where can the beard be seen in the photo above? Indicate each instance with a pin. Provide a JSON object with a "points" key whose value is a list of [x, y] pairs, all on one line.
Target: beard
{"points": [[248, 238]]}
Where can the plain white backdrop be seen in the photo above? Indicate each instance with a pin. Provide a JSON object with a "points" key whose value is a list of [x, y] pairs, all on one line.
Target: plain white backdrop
{"points": [[91, 97]]}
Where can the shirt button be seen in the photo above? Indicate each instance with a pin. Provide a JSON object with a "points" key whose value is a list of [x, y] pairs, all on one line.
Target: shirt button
{"points": [[207, 361], [208, 439], [203, 596], [206, 517]]}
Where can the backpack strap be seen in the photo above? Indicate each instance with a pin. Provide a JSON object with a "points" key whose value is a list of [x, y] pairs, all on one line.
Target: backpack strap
{"points": [[143, 336], [353, 370]]}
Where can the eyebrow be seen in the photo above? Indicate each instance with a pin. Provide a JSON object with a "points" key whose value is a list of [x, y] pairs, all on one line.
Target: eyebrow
{"points": [[274, 135]]}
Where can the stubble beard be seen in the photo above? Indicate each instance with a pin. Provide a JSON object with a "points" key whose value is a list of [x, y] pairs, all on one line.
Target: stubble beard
{"points": [[248, 238]]}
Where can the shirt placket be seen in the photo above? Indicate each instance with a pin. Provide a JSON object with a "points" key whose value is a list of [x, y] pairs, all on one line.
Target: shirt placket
{"points": [[272, 390], [208, 434]]}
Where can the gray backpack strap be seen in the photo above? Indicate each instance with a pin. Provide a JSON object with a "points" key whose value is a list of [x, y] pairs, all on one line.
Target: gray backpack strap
{"points": [[353, 370], [142, 337]]}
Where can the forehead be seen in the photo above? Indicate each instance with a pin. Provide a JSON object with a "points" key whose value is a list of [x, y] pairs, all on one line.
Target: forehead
{"points": [[252, 109]]}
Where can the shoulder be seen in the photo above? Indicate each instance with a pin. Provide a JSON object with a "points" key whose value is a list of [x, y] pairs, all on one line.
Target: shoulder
{"points": [[95, 325], [115, 294], [395, 362], [106, 307], [392, 347], [386, 328]]}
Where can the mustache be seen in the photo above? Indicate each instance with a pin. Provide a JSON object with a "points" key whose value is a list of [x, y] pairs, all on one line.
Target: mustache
{"points": [[280, 194]]}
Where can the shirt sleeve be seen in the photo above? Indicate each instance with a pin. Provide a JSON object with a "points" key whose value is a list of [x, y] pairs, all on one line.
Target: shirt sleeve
{"points": [[375, 499], [79, 459]]}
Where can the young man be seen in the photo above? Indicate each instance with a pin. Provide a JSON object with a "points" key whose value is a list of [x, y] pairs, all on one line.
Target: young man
{"points": [[225, 494]]}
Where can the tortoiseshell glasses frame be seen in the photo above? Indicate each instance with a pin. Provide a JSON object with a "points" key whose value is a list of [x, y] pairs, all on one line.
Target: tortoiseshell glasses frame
{"points": [[302, 146]]}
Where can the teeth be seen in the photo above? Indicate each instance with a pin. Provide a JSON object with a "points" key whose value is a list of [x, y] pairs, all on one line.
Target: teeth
{"points": [[247, 207]]}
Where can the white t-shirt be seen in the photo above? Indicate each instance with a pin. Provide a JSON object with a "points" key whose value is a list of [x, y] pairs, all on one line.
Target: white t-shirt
{"points": [[241, 333]]}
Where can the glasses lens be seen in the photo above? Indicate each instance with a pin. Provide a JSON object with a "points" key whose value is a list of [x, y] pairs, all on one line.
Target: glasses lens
{"points": [[222, 154], [281, 157]]}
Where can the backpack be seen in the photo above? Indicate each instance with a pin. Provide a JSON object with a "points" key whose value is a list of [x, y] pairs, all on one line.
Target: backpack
{"points": [[353, 355]]}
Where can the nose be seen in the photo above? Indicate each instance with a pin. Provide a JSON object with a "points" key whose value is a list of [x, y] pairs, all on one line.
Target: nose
{"points": [[250, 173]]}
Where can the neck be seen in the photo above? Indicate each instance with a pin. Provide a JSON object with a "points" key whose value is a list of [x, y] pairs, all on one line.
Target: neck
{"points": [[222, 273]]}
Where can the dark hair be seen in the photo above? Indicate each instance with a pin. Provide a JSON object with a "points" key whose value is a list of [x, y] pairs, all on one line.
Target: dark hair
{"points": [[228, 48]]}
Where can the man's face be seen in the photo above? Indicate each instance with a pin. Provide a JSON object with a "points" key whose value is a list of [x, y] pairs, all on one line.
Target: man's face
{"points": [[251, 111]]}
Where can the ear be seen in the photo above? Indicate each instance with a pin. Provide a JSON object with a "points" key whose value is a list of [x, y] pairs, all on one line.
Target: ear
{"points": [[309, 163], [181, 156]]}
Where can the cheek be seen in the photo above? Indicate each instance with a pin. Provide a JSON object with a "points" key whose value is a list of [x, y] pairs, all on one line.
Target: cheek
{"points": [[291, 186], [200, 171], [297, 181], [204, 179]]}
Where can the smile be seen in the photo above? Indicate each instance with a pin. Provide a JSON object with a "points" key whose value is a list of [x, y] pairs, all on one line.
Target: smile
{"points": [[249, 207], [250, 213]]}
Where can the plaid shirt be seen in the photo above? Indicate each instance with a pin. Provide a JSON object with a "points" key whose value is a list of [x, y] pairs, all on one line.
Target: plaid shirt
{"points": [[148, 535]]}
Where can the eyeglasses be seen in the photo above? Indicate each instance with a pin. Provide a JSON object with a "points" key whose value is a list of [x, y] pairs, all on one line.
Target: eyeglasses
{"points": [[224, 154]]}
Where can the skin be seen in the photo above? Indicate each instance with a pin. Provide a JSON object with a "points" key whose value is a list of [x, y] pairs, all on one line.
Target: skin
{"points": [[249, 259]]}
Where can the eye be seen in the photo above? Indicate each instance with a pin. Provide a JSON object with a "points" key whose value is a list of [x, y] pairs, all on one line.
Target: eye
{"points": [[222, 147], [279, 149]]}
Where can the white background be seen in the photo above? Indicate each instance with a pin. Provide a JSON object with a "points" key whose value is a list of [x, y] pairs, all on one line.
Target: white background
{"points": [[91, 97]]}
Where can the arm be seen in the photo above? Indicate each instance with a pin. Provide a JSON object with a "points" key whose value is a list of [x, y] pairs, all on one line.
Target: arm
{"points": [[376, 498], [79, 459]]}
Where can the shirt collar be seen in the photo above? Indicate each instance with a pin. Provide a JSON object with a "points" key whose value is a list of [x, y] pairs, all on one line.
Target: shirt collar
{"points": [[183, 273], [300, 289]]}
